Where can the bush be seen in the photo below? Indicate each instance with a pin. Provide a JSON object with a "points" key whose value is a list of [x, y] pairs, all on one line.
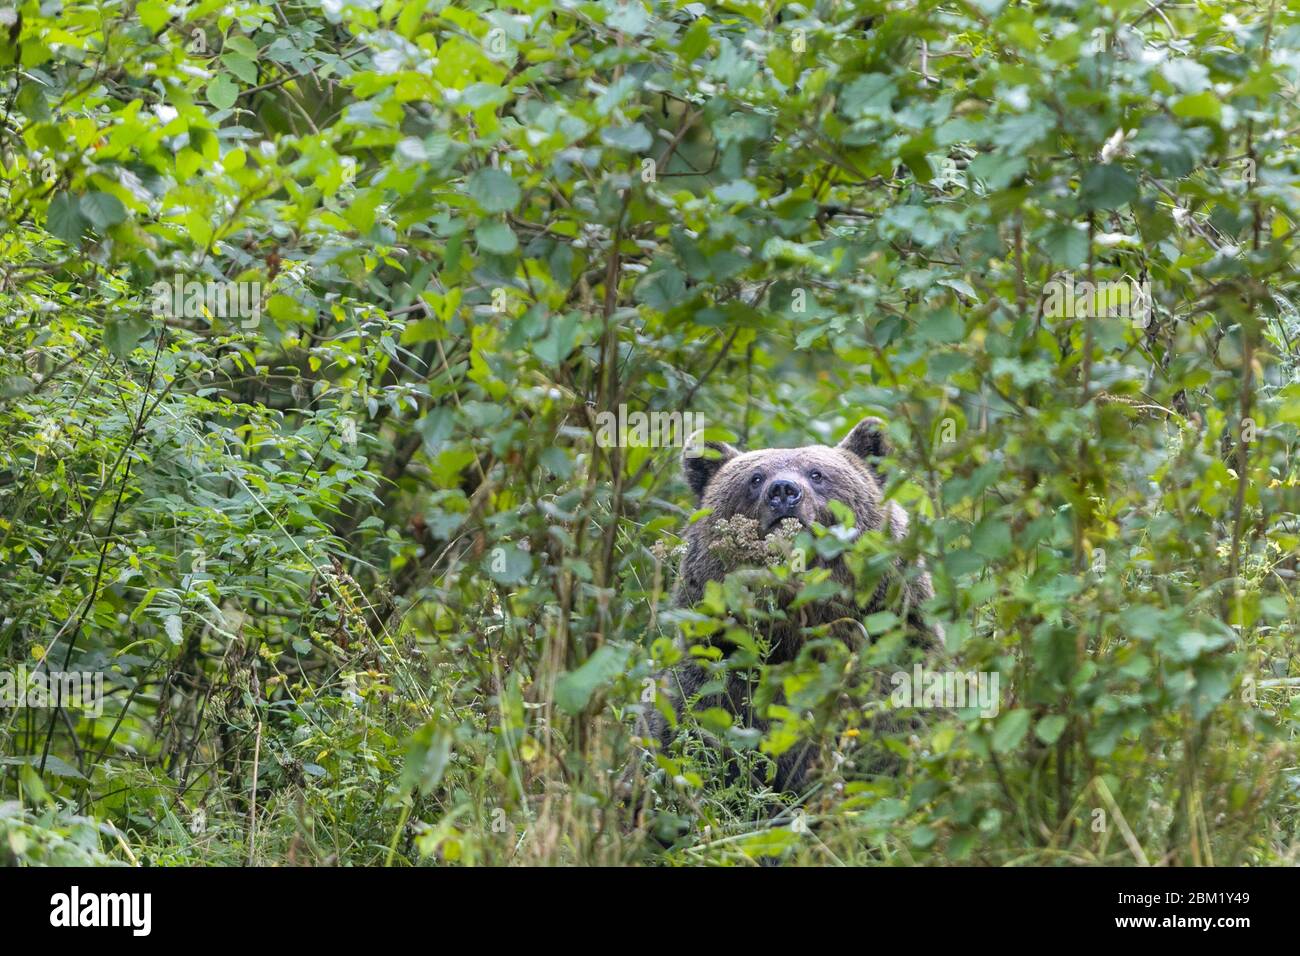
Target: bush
{"points": [[311, 313]]}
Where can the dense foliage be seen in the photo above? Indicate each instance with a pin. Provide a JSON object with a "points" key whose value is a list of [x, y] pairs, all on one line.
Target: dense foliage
{"points": [[367, 588]]}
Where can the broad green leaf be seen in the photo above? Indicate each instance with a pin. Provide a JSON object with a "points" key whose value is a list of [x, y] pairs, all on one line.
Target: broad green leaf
{"points": [[494, 190], [102, 210], [1010, 730], [575, 689]]}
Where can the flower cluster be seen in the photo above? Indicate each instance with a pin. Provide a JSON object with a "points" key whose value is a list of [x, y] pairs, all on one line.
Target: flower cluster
{"points": [[737, 542]]}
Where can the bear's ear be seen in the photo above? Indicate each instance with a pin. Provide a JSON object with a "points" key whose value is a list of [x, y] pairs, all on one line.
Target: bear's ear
{"points": [[701, 461], [867, 441]]}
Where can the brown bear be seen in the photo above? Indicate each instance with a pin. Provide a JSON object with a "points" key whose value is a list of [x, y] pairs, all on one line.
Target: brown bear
{"points": [[772, 493]]}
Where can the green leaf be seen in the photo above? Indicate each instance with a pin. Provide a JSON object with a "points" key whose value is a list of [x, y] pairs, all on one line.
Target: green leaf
{"points": [[869, 95], [1204, 106], [992, 538], [64, 218], [1067, 245], [942, 325], [435, 428], [154, 14], [574, 690], [222, 92], [496, 237], [102, 210], [121, 336], [737, 191], [1107, 187], [1050, 728], [55, 766], [627, 17], [634, 138], [560, 340], [494, 191], [1186, 74], [241, 66], [427, 756], [1010, 730], [507, 564]]}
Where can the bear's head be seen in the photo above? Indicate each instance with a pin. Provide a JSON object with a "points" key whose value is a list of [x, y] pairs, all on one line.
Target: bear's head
{"points": [[755, 497], [774, 484]]}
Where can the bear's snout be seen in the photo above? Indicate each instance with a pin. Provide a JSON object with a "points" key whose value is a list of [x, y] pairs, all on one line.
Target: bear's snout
{"points": [[782, 496]]}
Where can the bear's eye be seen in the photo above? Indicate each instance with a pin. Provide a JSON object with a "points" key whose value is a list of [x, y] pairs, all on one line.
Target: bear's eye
{"points": [[816, 476], [757, 479]]}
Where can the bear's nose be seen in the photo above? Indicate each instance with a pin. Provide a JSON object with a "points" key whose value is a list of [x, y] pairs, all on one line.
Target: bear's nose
{"points": [[783, 495]]}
